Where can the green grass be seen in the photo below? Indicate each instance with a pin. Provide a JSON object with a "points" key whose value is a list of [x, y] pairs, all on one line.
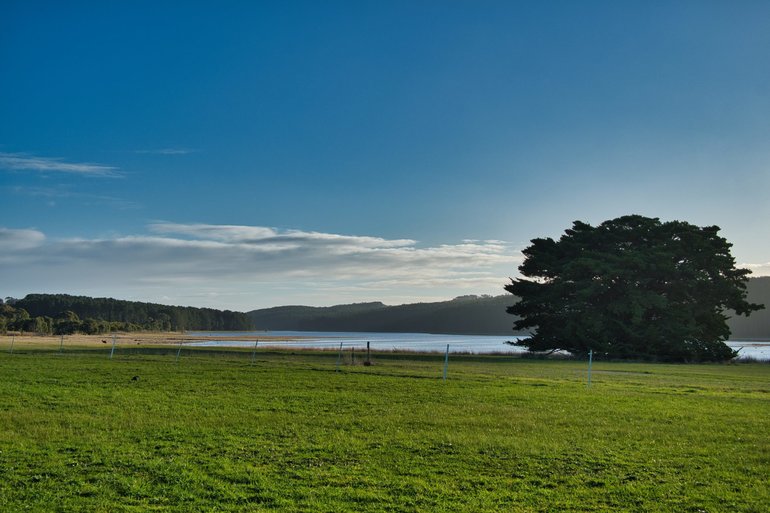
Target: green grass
{"points": [[288, 433]]}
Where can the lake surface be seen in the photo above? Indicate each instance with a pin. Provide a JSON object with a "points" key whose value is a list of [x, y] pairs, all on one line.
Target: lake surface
{"points": [[419, 342]]}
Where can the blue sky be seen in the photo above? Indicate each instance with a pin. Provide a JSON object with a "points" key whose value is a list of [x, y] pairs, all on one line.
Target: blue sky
{"points": [[249, 154]]}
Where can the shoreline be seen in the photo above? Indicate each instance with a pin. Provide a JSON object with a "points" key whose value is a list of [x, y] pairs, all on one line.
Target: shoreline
{"points": [[160, 339], [121, 338]]}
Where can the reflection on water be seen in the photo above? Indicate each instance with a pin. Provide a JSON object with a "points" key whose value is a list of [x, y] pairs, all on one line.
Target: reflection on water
{"points": [[419, 342]]}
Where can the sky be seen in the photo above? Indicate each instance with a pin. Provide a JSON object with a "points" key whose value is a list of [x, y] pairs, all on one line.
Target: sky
{"points": [[241, 155]]}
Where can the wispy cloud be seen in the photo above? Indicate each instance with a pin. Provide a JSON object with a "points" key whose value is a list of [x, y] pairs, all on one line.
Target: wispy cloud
{"points": [[251, 262], [260, 235], [54, 195], [167, 151], [21, 161]]}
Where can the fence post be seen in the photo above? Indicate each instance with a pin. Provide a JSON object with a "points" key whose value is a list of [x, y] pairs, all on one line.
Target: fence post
{"points": [[179, 351], [339, 358], [13, 339], [254, 352], [112, 351], [61, 344], [590, 361], [446, 361]]}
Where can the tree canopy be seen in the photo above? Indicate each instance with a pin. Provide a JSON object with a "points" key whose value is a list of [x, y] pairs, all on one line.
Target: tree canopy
{"points": [[631, 287], [65, 314]]}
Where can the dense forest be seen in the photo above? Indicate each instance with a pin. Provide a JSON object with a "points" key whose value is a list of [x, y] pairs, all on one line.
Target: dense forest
{"points": [[477, 315], [65, 314]]}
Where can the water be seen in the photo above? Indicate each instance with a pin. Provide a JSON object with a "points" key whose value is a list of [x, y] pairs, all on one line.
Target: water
{"points": [[419, 342], [751, 349]]}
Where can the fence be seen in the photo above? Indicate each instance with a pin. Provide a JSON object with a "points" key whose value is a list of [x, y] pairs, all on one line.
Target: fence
{"points": [[341, 355]]}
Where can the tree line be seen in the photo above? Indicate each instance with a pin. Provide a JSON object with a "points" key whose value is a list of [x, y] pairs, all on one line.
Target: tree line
{"points": [[63, 314]]}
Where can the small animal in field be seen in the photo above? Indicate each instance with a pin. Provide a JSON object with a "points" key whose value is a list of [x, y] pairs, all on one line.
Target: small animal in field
{"points": [[135, 378], [104, 341]]}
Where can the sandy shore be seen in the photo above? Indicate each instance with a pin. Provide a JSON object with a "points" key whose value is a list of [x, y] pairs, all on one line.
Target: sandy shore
{"points": [[141, 338]]}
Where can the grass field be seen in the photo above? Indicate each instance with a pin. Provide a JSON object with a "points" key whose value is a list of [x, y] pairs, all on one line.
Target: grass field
{"points": [[216, 432]]}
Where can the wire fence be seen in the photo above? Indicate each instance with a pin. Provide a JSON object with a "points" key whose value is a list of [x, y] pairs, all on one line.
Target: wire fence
{"points": [[339, 353]]}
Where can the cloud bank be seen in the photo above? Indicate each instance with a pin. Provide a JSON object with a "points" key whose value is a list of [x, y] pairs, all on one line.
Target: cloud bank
{"points": [[244, 267], [14, 241]]}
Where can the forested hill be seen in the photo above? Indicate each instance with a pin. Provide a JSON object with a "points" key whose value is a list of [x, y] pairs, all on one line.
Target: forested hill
{"points": [[144, 315], [478, 315], [757, 325]]}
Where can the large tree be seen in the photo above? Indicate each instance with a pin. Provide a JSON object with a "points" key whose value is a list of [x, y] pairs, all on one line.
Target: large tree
{"points": [[631, 287]]}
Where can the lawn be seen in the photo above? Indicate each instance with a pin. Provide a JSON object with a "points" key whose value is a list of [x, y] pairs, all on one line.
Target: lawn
{"points": [[287, 432]]}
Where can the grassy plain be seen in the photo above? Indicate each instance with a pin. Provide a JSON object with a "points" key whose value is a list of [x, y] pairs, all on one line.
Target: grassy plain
{"points": [[218, 432]]}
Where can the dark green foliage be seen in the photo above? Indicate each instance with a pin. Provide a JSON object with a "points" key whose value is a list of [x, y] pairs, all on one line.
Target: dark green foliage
{"points": [[68, 315], [41, 325], [18, 319], [101, 315], [632, 287], [65, 323], [15, 319]]}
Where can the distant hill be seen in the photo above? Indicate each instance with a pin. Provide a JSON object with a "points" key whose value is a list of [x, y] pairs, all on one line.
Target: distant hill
{"points": [[468, 315], [758, 324], [476, 315]]}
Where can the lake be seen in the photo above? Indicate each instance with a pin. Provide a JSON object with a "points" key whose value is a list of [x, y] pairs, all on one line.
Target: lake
{"points": [[419, 342]]}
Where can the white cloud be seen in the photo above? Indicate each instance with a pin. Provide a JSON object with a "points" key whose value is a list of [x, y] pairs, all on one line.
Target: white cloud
{"points": [[19, 240], [20, 161], [259, 235], [757, 269], [248, 263], [227, 233]]}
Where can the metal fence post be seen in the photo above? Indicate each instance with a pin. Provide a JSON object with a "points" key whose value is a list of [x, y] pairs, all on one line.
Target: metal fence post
{"points": [[254, 352], [339, 358], [446, 361]]}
